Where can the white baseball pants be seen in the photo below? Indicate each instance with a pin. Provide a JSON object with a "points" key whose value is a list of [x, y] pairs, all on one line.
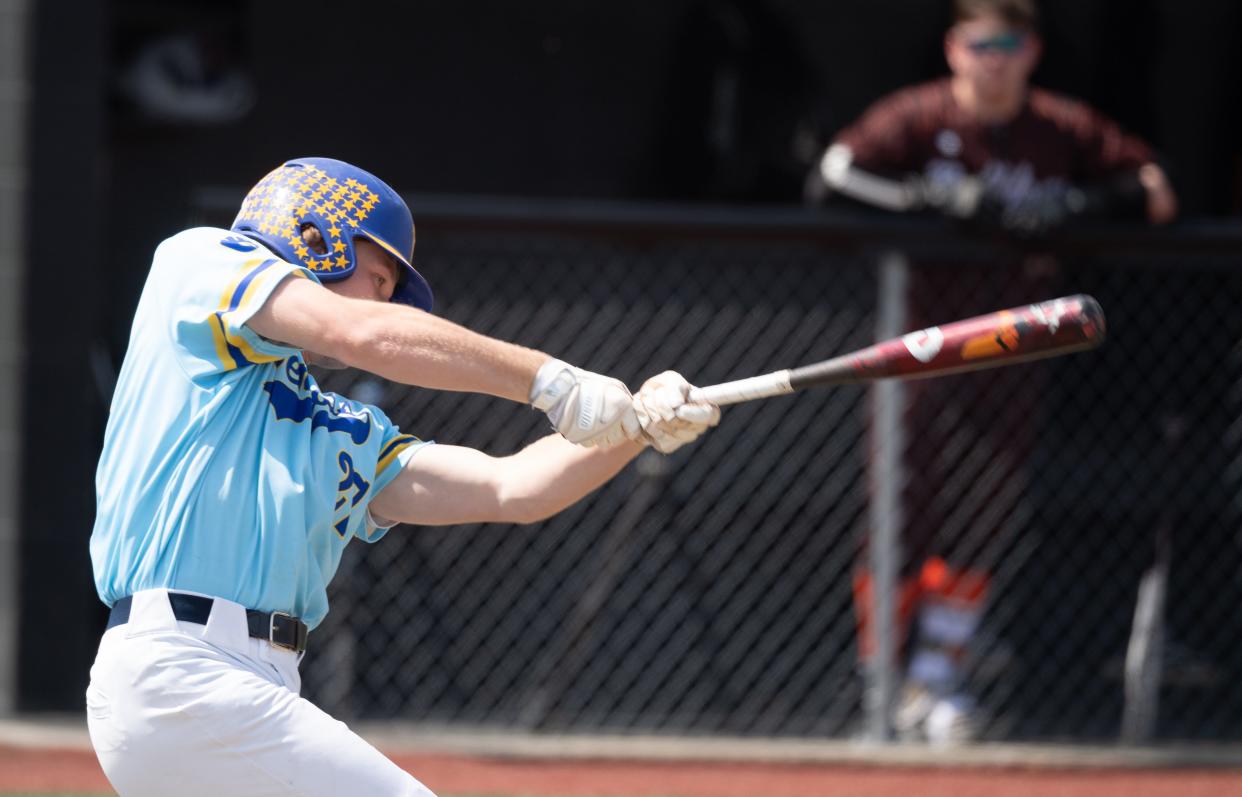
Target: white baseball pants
{"points": [[187, 709]]}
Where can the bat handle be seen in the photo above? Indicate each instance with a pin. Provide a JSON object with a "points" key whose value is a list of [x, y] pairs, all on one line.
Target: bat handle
{"points": [[755, 387]]}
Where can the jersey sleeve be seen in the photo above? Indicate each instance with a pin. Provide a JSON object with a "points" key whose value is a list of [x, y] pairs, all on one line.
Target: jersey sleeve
{"points": [[880, 140], [1103, 148], [395, 451], [214, 290], [1110, 150]]}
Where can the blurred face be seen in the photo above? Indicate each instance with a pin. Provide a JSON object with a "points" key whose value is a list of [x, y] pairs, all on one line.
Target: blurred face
{"points": [[994, 59], [373, 279]]}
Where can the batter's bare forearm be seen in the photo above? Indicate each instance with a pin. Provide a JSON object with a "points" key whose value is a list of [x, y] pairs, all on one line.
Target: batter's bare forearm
{"points": [[553, 474], [446, 485], [396, 342], [417, 348]]}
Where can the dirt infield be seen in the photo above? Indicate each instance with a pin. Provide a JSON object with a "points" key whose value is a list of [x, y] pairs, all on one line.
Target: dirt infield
{"points": [[26, 770]]}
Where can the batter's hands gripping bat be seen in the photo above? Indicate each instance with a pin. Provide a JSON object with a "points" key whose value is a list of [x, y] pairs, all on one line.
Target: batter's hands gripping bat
{"points": [[1032, 332]]}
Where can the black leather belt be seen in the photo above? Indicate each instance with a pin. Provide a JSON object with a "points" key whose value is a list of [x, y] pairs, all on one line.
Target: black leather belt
{"points": [[282, 630]]}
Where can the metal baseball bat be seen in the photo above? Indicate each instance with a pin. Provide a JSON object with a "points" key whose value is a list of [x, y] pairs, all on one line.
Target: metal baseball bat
{"points": [[1031, 332]]}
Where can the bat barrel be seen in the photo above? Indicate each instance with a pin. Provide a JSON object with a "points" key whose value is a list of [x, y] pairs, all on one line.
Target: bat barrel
{"points": [[1094, 324], [1030, 332], [1020, 334]]}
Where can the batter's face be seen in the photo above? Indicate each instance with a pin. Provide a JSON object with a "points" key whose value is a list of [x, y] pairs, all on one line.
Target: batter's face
{"points": [[373, 279], [995, 59]]}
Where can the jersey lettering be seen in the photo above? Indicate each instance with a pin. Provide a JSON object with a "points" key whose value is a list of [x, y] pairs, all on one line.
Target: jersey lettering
{"points": [[350, 481], [320, 410], [297, 372]]}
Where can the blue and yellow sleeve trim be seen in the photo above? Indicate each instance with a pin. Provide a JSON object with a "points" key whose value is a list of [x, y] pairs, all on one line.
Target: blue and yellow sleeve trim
{"points": [[233, 350], [388, 454]]}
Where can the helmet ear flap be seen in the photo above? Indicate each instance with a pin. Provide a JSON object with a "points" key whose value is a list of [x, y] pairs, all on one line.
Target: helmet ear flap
{"points": [[312, 238], [327, 246]]}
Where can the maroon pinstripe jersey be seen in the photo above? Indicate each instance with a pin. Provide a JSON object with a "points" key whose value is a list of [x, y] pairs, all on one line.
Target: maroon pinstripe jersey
{"points": [[1053, 142]]}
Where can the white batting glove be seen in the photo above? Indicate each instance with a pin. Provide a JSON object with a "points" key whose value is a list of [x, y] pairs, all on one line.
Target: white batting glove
{"points": [[669, 421], [586, 408]]}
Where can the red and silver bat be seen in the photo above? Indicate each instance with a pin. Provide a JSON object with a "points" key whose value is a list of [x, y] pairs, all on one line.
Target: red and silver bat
{"points": [[1031, 332]]}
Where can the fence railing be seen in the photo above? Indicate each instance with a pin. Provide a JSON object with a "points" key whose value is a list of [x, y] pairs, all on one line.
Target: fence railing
{"points": [[1055, 548]]}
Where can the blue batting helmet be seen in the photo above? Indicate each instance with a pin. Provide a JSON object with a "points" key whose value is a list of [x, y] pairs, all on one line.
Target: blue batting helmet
{"points": [[343, 202]]}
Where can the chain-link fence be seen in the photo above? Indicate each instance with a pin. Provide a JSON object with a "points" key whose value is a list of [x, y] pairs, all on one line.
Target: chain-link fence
{"points": [[1063, 544]]}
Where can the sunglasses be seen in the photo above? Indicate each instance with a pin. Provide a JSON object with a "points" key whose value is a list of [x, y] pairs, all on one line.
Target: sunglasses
{"points": [[1003, 43]]}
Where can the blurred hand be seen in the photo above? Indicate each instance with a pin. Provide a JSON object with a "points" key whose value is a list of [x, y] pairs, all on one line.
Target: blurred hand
{"points": [[1161, 199], [966, 199], [971, 201], [667, 419], [1042, 213]]}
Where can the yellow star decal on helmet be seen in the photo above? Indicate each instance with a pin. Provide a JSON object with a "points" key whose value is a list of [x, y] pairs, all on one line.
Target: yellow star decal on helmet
{"points": [[334, 231], [339, 246], [342, 261]]}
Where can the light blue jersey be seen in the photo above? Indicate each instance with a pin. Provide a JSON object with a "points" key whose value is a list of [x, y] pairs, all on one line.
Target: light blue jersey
{"points": [[225, 471]]}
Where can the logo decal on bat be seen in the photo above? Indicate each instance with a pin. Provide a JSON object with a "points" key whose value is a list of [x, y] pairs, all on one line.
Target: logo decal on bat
{"points": [[924, 344], [1004, 338], [1050, 313]]}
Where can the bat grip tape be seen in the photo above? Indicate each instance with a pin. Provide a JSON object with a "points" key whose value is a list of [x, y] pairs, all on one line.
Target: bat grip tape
{"points": [[755, 387]]}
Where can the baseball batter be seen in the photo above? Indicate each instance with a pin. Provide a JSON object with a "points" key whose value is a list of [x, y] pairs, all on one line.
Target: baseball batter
{"points": [[229, 483]]}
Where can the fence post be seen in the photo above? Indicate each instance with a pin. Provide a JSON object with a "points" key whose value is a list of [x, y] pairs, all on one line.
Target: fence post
{"points": [[886, 477]]}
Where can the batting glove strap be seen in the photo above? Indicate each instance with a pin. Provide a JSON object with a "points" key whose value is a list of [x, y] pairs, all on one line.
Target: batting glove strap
{"points": [[552, 381], [585, 407]]}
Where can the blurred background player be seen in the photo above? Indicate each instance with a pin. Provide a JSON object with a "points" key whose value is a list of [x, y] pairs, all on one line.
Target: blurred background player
{"points": [[984, 147], [229, 484]]}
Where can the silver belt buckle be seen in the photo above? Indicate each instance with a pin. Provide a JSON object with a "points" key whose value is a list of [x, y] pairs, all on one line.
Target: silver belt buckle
{"points": [[271, 631]]}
